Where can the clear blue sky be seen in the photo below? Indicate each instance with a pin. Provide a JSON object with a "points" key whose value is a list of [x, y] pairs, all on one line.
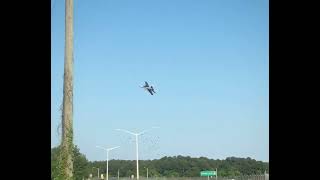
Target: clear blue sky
{"points": [[208, 61]]}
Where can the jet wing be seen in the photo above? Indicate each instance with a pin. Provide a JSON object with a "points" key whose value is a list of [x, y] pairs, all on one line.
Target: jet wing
{"points": [[150, 91]]}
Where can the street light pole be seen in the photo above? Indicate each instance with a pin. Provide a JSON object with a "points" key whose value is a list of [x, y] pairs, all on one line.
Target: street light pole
{"points": [[107, 173], [109, 149], [98, 170], [147, 174], [216, 173], [137, 148], [137, 144]]}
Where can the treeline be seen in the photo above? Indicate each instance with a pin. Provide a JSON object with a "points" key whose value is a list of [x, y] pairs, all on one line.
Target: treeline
{"points": [[176, 166]]}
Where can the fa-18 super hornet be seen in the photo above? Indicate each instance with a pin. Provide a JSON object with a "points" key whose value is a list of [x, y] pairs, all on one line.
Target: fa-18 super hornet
{"points": [[149, 88]]}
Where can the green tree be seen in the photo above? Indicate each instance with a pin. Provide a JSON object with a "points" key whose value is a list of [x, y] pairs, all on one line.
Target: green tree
{"points": [[180, 166], [80, 164]]}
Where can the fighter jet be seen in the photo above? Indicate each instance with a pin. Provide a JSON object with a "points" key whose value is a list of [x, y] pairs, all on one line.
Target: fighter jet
{"points": [[149, 88]]}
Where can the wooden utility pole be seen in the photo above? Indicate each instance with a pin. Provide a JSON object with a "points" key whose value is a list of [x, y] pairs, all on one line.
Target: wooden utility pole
{"points": [[67, 112]]}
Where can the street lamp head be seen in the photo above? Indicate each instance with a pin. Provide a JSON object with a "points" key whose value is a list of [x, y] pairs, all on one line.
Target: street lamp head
{"points": [[113, 148], [126, 131], [101, 148]]}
